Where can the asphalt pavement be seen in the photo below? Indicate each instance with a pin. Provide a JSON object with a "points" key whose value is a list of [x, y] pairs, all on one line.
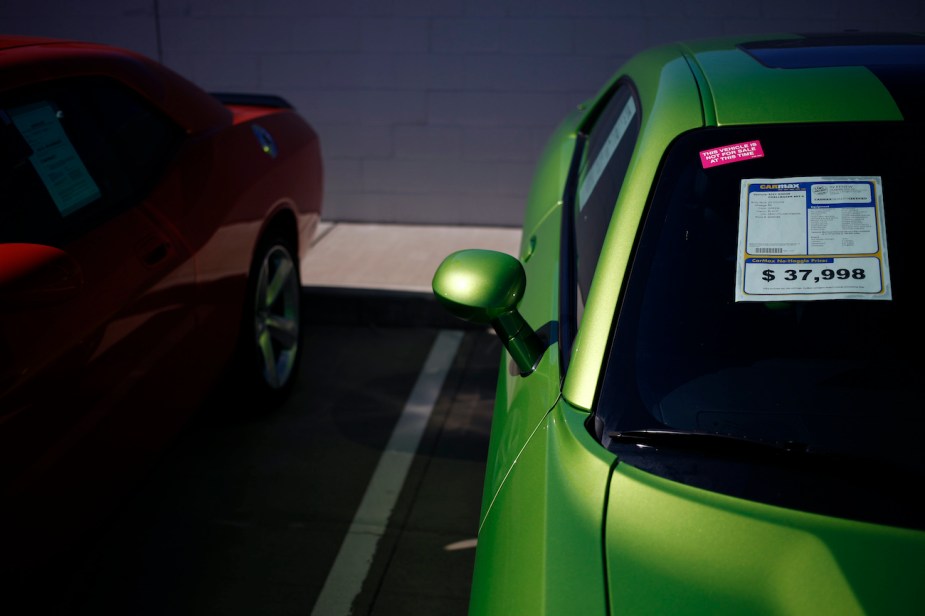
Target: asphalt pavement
{"points": [[360, 495]]}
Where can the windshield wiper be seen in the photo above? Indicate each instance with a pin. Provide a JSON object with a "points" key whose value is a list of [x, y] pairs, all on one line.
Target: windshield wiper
{"points": [[708, 442], [787, 474]]}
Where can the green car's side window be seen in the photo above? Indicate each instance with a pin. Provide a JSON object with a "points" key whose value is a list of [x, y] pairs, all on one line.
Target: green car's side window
{"points": [[610, 143]]}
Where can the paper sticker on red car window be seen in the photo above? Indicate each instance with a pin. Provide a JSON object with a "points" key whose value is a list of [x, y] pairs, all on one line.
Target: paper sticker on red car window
{"points": [[731, 154], [54, 157]]}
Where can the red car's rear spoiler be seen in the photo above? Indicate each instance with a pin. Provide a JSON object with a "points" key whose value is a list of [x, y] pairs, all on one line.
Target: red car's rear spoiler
{"points": [[253, 100]]}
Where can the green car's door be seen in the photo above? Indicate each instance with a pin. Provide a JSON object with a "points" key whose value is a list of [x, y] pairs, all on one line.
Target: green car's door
{"points": [[545, 487]]}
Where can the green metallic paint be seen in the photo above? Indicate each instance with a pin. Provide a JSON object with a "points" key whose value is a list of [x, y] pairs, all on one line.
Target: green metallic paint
{"points": [[551, 172], [706, 99], [480, 286], [682, 550], [664, 548], [539, 548], [729, 42], [522, 402], [670, 94], [670, 104], [484, 287], [689, 48], [824, 94]]}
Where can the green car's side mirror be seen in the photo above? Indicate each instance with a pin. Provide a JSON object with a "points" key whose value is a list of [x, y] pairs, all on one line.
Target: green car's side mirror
{"points": [[484, 287]]}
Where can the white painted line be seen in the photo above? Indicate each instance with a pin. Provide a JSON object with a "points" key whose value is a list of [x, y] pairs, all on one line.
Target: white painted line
{"points": [[345, 579], [465, 544]]}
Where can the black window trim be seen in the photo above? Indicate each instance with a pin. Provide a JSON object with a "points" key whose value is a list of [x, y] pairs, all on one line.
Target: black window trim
{"points": [[568, 301], [568, 274]]}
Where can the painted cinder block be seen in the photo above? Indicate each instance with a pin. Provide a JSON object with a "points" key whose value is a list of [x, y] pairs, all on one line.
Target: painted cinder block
{"points": [[395, 35], [355, 141], [428, 110]]}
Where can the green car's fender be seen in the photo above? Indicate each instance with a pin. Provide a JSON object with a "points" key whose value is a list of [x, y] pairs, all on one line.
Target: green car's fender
{"points": [[523, 401], [539, 546]]}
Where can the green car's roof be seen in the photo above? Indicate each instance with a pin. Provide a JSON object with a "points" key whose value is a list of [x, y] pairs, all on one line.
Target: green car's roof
{"points": [[800, 78], [819, 78], [747, 80]]}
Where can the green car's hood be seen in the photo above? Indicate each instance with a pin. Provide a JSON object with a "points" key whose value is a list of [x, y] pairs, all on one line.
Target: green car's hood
{"points": [[675, 549]]}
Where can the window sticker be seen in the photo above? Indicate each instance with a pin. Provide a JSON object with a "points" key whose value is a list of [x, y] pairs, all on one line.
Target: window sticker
{"points": [[734, 153], [812, 238], [607, 152], [54, 158]]}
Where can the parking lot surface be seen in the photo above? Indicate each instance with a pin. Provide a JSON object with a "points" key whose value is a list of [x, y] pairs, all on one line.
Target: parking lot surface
{"points": [[381, 445]]}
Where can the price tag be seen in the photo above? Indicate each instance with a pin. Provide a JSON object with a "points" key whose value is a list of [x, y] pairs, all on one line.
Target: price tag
{"points": [[813, 276], [812, 238]]}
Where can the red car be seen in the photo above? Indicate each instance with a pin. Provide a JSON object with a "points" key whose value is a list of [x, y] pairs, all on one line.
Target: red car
{"points": [[150, 241]]}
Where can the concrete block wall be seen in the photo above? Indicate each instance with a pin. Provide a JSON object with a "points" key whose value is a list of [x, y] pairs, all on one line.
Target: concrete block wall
{"points": [[430, 111]]}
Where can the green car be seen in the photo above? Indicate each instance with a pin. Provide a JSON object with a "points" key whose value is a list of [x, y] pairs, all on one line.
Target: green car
{"points": [[709, 402]]}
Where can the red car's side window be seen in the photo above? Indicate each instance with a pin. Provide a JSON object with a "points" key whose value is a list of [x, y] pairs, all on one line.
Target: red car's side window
{"points": [[76, 152], [54, 158]]}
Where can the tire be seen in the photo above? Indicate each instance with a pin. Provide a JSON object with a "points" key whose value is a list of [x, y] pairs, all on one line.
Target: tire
{"points": [[271, 336]]}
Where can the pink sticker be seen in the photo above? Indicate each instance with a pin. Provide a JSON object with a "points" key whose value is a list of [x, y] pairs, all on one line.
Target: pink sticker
{"points": [[731, 154]]}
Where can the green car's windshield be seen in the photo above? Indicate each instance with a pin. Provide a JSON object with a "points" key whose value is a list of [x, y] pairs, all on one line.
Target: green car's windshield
{"points": [[838, 376]]}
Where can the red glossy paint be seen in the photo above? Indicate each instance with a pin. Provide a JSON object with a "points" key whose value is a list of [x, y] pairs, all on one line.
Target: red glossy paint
{"points": [[112, 333]]}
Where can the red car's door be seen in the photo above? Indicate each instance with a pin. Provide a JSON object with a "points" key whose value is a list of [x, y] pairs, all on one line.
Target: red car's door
{"points": [[96, 291]]}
